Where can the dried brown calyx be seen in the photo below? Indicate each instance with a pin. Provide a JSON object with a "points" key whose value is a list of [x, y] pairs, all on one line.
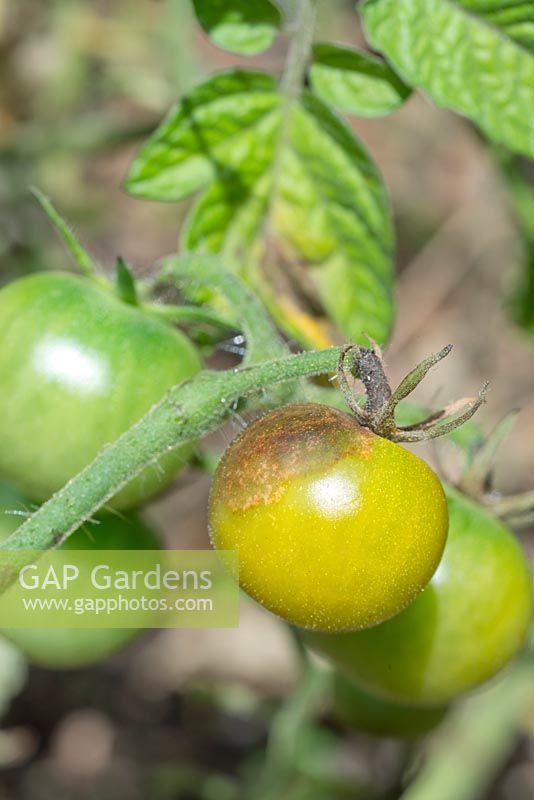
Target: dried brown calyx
{"points": [[378, 410]]}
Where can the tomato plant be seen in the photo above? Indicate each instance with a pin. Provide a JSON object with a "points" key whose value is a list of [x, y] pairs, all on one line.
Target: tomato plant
{"points": [[336, 528], [462, 630], [66, 648], [288, 243], [78, 368]]}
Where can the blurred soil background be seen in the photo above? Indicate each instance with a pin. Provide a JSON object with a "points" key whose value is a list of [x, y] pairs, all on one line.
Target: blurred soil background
{"points": [[181, 713]]}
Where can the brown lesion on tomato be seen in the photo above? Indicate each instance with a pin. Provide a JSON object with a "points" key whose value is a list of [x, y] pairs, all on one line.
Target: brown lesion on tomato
{"points": [[293, 440]]}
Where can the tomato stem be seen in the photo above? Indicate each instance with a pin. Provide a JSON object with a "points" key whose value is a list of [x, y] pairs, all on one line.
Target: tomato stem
{"points": [[515, 505], [188, 412], [485, 726], [195, 274], [288, 725], [82, 258], [189, 316], [291, 85], [367, 365], [476, 481]]}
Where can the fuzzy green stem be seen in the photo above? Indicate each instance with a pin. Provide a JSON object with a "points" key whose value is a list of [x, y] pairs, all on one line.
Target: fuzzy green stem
{"points": [[292, 82], [474, 743], [477, 479], [186, 316], [186, 413], [192, 272], [206, 272], [512, 505], [287, 727], [299, 50], [82, 258]]}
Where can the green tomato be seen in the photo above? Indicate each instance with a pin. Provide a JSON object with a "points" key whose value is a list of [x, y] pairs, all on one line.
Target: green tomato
{"points": [[470, 621], [78, 367], [65, 648], [336, 528], [378, 716]]}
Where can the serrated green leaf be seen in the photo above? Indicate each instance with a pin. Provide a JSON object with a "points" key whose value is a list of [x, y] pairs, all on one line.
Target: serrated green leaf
{"points": [[209, 132], [355, 81], [473, 56], [330, 212], [333, 212], [227, 217], [247, 27]]}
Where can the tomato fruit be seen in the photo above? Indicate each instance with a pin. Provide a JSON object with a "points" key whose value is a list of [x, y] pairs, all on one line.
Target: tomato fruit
{"points": [[379, 716], [464, 628], [336, 528], [65, 648], [78, 367]]}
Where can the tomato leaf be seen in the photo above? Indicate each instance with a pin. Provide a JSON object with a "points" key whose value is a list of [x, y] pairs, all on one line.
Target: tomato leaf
{"points": [[209, 132], [473, 56], [355, 81], [247, 27], [319, 190], [332, 213]]}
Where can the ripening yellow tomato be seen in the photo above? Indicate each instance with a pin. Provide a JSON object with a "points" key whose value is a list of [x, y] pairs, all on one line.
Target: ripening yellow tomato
{"points": [[337, 529]]}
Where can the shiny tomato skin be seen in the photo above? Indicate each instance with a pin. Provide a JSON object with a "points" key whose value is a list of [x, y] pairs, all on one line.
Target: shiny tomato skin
{"points": [[379, 716], [78, 367], [66, 648], [336, 528], [469, 622]]}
